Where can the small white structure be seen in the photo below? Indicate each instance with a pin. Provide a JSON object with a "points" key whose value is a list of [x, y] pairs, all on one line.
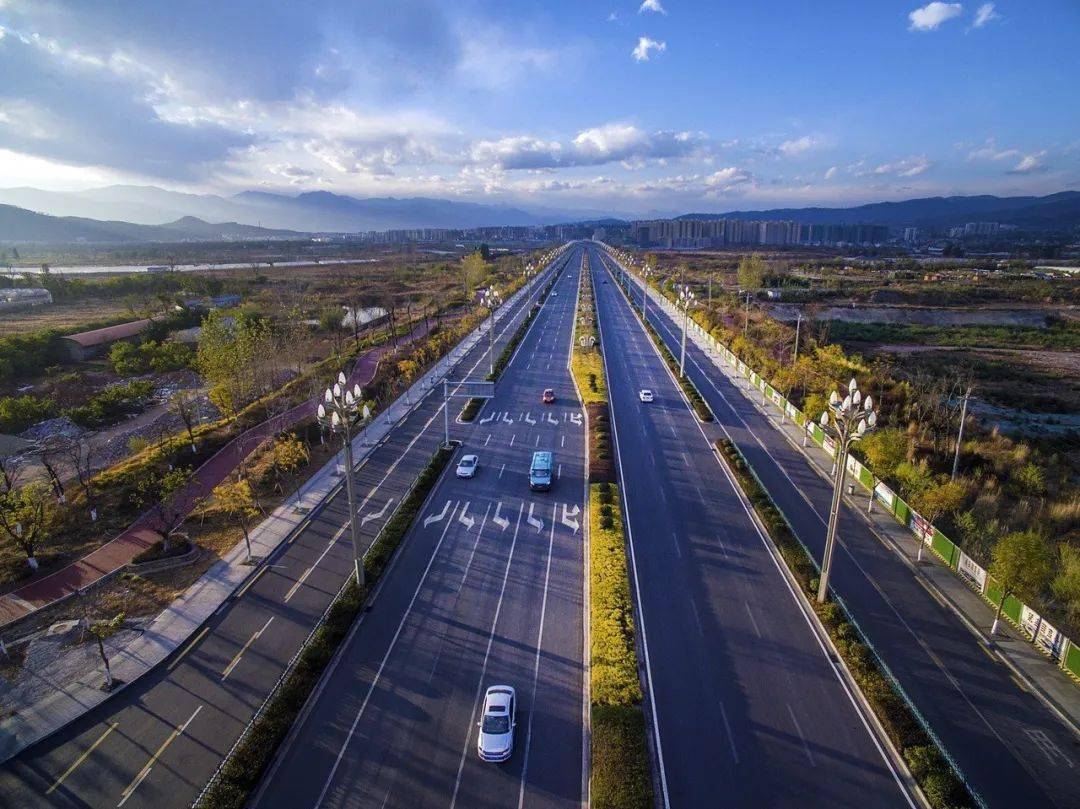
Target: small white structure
{"points": [[24, 298], [362, 317]]}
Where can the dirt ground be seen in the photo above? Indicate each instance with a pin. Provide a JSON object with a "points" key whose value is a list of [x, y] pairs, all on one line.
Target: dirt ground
{"points": [[62, 315]]}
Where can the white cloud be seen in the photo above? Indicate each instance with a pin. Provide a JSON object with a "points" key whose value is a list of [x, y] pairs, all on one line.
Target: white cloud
{"points": [[797, 146], [908, 167], [986, 13], [645, 47], [727, 180], [831, 172], [1030, 164], [991, 151], [654, 6], [932, 15]]}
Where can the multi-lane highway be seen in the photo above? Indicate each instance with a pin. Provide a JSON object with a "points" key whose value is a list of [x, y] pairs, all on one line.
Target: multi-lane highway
{"points": [[156, 743], [488, 589], [748, 708], [1010, 747]]}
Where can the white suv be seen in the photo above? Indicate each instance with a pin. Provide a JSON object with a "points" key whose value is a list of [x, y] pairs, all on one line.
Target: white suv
{"points": [[645, 395]]}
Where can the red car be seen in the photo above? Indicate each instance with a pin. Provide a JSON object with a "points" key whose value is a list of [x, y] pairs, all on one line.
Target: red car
{"points": [[548, 397]]}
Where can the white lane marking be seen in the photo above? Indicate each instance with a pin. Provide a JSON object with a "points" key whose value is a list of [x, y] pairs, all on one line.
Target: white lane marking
{"points": [[552, 420], [562, 441], [488, 419], [437, 517], [536, 663], [535, 522], [145, 771], [558, 473], [465, 520], [233, 663], [501, 470], [537, 443], [500, 520], [529, 419], [365, 520], [802, 736], [675, 539], [750, 613], [513, 438], [487, 655], [697, 618], [568, 518], [576, 418], [506, 418], [487, 439], [382, 665], [727, 728]]}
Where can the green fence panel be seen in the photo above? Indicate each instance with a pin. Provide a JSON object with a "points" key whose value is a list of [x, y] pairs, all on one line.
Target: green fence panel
{"points": [[901, 510], [944, 548], [993, 592], [1013, 607], [866, 478], [1071, 662]]}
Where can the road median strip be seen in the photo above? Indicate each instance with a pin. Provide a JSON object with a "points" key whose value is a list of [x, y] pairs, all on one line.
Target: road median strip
{"points": [[935, 774], [240, 771], [620, 776]]}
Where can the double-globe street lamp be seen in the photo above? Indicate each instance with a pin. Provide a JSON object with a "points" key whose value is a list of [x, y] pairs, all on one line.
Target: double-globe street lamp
{"points": [[848, 419], [646, 271], [491, 300], [685, 301], [338, 412]]}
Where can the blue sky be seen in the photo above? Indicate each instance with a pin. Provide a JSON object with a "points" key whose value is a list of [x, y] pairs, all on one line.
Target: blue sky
{"points": [[662, 106]]}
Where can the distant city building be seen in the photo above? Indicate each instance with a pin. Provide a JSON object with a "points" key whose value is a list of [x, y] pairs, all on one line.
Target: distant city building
{"points": [[690, 233]]}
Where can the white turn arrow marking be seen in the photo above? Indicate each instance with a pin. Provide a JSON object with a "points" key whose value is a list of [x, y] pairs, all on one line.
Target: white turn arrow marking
{"points": [[437, 517], [500, 520], [506, 418], [537, 523], [364, 520], [568, 518], [465, 520], [529, 419], [576, 418], [487, 419]]}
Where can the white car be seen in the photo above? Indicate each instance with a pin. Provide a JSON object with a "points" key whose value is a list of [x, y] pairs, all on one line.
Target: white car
{"points": [[495, 742], [645, 395], [467, 466]]}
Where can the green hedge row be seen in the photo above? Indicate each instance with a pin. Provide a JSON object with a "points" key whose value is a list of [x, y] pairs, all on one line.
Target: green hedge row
{"points": [[471, 408], [620, 758], [939, 782], [243, 769]]}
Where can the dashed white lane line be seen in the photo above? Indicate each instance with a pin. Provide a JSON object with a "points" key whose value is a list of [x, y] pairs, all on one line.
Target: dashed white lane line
{"points": [[513, 438], [145, 771], [727, 729], [752, 619], [501, 471], [802, 736], [233, 663], [486, 440]]}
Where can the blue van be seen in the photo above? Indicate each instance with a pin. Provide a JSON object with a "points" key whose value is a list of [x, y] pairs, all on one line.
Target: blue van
{"points": [[540, 471]]}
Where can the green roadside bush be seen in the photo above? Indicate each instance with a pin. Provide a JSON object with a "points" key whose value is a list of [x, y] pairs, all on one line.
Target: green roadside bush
{"points": [[471, 408], [112, 404], [19, 412]]}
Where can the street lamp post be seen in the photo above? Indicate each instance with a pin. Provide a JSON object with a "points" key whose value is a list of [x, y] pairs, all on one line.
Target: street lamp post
{"points": [[491, 301], [686, 300], [337, 411], [850, 418], [646, 271]]}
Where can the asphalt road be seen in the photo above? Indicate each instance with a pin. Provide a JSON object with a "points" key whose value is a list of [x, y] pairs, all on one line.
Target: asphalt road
{"points": [[156, 743], [1009, 746], [488, 589], [747, 703]]}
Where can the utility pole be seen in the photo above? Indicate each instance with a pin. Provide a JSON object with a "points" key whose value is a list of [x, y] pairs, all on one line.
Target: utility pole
{"points": [[960, 434]]}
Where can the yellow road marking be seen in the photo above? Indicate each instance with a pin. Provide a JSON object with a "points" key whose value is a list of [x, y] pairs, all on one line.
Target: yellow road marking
{"points": [[190, 646], [81, 758], [130, 789], [251, 581], [244, 648]]}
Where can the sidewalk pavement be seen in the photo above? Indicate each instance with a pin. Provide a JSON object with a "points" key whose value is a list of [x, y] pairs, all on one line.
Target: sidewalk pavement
{"points": [[183, 617], [137, 537], [1031, 669]]}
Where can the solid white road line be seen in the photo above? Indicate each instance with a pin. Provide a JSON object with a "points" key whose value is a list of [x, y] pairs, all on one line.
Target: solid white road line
{"points": [[487, 655], [386, 657]]}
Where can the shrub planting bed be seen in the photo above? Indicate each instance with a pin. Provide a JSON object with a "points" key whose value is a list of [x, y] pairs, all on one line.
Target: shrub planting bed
{"points": [[601, 454], [243, 768], [620, 759], [471, 409], [941, 785]]}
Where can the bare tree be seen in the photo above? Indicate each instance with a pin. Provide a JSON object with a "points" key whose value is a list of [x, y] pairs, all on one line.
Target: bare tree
{"points": [[185, 404], [81, 456], [52, 454]]}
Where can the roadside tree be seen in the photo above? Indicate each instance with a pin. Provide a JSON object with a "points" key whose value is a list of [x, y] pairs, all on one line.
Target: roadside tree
{"points": [[1022, 564]]}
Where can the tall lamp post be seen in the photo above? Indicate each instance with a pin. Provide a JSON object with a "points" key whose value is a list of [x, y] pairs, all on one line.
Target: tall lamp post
{"points": [[337, 412], [491, 301], [686, 300], [646, 271], [850, 419]]}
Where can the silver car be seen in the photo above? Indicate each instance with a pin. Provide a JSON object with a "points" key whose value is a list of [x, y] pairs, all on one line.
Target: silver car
{"points": [[467, 466], [496, 739]]}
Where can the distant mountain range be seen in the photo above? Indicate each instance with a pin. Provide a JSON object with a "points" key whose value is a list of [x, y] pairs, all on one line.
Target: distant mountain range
{"points": [[314, 211], [1056, 211], [20, 225]]}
